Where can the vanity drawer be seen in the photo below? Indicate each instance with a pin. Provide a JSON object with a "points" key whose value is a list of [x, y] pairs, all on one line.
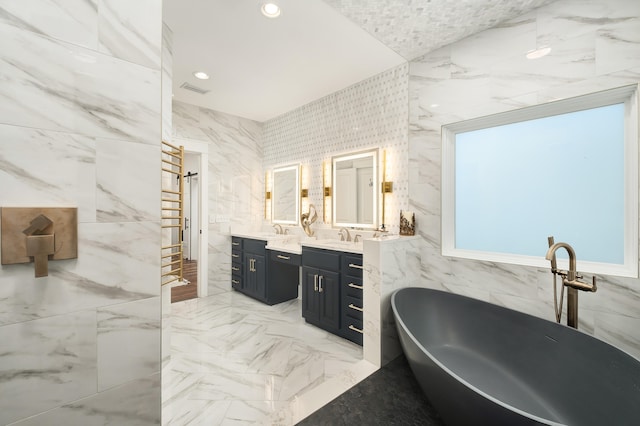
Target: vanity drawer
{"points": [[236, 268], [323, 259], [236, 256], [254, 246], [236, 282], [352, 265], [352, 287], [353, 330], [353, 307], [284, 257], [236, 243]]}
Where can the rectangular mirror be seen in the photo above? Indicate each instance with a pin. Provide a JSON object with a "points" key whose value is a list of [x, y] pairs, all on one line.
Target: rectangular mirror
{"points": [[285, 195], [355, 195]]}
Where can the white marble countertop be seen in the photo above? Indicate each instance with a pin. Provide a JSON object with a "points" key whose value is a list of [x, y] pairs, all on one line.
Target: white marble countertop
{"points": [[285, 245], [293, 243], [337, 245], [259, 235]]}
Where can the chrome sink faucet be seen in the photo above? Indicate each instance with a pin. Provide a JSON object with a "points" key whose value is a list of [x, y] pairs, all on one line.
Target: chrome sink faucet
{"points": [[278, 229], [570, 279], [344, 234]]}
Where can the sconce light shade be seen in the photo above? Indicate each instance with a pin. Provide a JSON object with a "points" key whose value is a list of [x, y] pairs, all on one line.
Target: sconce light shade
{"points": [[304, 193], [387, 187]]}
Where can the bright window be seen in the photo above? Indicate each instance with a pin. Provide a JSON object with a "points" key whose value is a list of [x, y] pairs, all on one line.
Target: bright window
{"points": [[567, 169]]}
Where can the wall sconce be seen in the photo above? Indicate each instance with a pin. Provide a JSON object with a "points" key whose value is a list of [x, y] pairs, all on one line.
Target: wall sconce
{"points": [[386, 187], [326, 191], [267, 196]]}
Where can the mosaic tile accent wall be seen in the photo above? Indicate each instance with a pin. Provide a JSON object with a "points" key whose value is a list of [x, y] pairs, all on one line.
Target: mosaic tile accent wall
{"points": [[595, 46], [370, 114]]}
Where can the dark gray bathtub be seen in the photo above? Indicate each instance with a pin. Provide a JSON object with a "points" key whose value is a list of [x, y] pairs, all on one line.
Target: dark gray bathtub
{"points": [[481, 364]]}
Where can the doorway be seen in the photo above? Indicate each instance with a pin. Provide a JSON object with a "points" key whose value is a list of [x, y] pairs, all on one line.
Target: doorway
{"points": [[193, 233]]}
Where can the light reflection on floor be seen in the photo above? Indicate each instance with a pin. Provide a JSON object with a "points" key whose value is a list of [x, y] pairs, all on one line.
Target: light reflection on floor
{"points": [[235, 360]]}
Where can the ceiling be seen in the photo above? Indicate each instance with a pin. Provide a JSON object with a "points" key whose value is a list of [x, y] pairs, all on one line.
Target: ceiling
{"points": [[261, 68]]}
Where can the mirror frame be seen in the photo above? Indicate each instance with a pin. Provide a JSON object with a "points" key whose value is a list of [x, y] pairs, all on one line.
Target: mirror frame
{"points": [[274, 194], [373, 153]]}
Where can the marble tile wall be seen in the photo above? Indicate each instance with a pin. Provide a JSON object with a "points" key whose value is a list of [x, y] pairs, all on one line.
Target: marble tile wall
{"points": [[595, 46], [236, 181], [80, 126], [167, 180], [369, 114], [390, 263]]}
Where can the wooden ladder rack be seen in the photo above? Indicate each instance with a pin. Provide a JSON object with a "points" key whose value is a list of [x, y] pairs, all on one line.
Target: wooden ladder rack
{"points": [[172, 213]]}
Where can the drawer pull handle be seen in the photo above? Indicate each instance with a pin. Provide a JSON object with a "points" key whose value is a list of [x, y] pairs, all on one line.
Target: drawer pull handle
{"points": [[235, 281], [352, 306], [235, 244], [355, 329], [235, 255], [315, 282], [359, 287], [233, 268], [352, 265], [283, 257], [320, 284]]}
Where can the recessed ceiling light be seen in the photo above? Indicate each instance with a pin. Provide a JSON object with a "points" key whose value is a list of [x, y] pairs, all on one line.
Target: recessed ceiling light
{"points": [[270, 10], [434, 105], [201, 75], [539, 52]]}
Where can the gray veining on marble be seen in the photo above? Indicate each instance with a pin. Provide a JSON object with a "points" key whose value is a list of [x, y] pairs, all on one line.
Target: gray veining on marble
{"points": [[48, 169], [63, 87], [128, 342], [131, 31], [135, 403], [46, 363], [74, 21], [126, 188]]}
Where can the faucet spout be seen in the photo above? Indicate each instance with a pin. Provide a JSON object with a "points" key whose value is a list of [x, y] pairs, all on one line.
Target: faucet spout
{"points": [[344, 234], [551, 256], [278, 228], [569, 280]]}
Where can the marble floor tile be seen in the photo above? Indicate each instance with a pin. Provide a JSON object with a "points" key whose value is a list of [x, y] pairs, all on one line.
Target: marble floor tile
{"points": [[236, 361]]}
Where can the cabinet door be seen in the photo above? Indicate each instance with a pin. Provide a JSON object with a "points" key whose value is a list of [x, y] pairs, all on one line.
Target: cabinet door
{"points": [[249, 276], [310, 305], [329, 295], [260, 273]]}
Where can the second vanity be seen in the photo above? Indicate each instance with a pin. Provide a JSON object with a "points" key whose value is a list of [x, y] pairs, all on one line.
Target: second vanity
{"points": [[268, 269], [270, 276]]}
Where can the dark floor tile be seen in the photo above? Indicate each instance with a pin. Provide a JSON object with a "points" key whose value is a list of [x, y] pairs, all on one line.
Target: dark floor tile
{"points": [[390, 396]]}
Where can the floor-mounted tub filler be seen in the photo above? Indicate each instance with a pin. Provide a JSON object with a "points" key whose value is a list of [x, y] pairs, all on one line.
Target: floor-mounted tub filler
{"points": [[482, 364]]}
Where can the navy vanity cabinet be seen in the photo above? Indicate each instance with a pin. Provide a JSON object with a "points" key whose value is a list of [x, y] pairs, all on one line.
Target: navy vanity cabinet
{"points": [[266, 275], [352, 306], [248, 266], [321, 288], [283, 277]]}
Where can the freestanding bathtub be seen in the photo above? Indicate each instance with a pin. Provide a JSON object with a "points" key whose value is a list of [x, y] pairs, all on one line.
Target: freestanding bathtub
{"points": [[482, 364]]}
